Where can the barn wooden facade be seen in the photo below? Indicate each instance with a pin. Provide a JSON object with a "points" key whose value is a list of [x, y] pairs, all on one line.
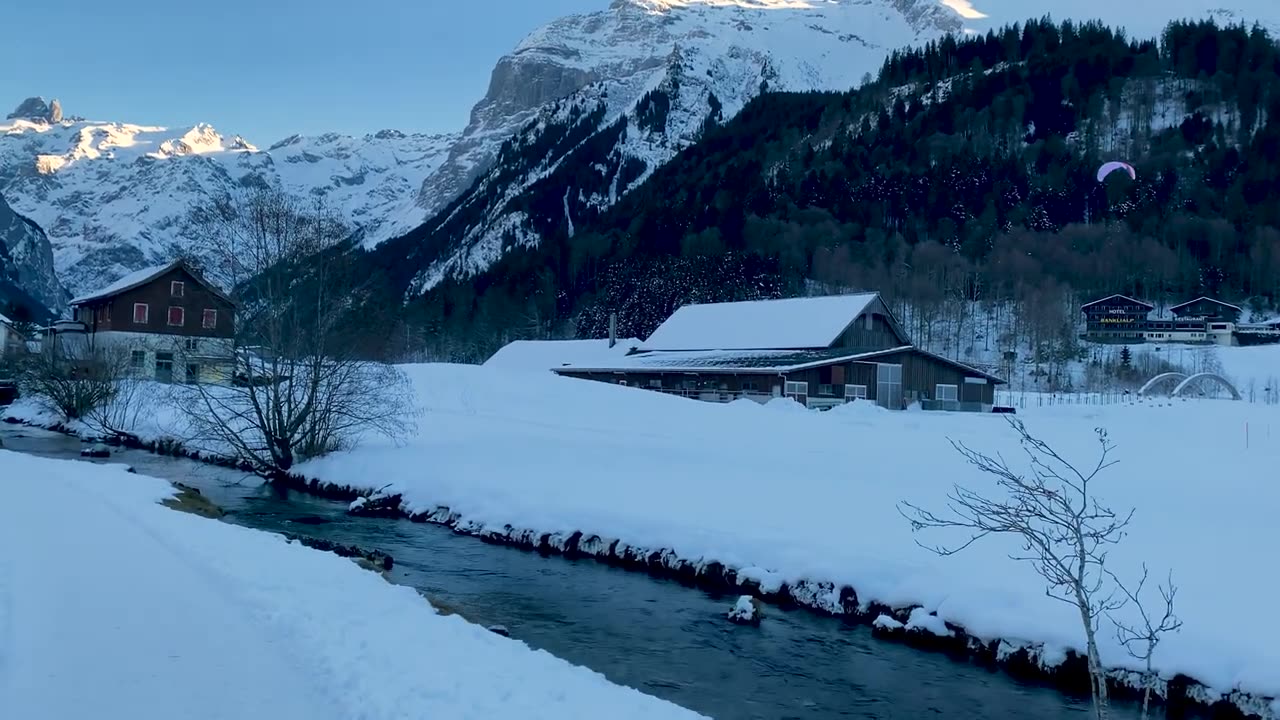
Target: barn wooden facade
{"points": [[821, 352]]}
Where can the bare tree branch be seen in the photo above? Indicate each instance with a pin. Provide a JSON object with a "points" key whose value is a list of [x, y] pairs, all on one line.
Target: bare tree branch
{"points": [[298, 389], [1065, 532], [1141, 641]]}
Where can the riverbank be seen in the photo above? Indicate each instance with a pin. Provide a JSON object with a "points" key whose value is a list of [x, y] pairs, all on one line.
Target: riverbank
{"points": [[200, 619], [800, 508]]}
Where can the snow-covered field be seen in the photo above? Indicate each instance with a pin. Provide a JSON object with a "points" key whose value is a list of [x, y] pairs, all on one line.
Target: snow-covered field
{"points": [[113, 607], [784, 494], [812, 495]]}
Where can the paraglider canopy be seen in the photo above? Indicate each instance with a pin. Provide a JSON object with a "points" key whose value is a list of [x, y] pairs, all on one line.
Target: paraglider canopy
{"points": [[1108, 168]]}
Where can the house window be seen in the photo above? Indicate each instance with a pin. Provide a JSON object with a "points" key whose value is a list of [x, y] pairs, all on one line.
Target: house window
{"points": [[855, 392], [177, 316], [749, 386], [137, 360], [210, 319], [797, 388], [947, 393], [141, 313], [826, 390], [653, 383], [193, 374], [176, 289], [164, 367], [191, 344]]}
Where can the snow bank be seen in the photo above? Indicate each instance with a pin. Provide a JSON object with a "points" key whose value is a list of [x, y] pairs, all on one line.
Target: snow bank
{"points": [[805, 495], [197, 619]]}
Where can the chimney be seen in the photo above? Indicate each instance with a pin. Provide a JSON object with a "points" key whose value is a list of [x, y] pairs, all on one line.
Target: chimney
{"points": [[613, 329]]}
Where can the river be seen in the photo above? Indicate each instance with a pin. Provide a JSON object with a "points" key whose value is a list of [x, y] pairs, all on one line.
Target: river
{"points": [[654, 635]]}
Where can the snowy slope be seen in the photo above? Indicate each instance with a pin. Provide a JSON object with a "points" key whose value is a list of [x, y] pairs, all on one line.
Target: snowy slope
{"points": [[192, 618], [112, 196]]}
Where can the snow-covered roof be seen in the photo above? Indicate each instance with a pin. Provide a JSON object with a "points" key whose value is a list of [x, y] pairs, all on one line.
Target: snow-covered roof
{"points": [[753, 362], [737, 361], [791, 324], [1118, 297], [142, 277], [1209, 299], [128, 282], [549, 354]]}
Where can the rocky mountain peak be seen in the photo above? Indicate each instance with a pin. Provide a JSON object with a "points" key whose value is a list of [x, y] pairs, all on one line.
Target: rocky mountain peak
{"points": [[37, 110]]}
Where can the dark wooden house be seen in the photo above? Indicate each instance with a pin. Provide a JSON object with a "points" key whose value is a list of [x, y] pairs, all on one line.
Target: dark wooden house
{"points": [[1117, 318], [176, 325], [1205, 308], [821, 351]]}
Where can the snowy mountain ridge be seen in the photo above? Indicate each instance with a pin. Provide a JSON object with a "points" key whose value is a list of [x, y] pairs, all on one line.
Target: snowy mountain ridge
{"points": [[112, 196], [708, 58], [704, 60]]}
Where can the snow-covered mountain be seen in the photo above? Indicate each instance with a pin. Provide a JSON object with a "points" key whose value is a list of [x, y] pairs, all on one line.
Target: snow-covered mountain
{"points": [[621, 90], [24, 245], [661, 69], [111, 196], [658, 70]]}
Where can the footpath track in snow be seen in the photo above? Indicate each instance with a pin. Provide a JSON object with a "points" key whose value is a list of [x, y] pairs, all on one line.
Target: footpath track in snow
{"points": [[103, 614], [112, 606]]}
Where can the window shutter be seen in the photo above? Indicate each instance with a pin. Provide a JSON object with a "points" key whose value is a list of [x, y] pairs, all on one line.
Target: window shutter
{"points": [[177, 316]]}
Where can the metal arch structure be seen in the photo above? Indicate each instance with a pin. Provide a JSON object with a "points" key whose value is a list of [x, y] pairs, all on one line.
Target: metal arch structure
{"points": [[1235, 394], [1181, 378]]}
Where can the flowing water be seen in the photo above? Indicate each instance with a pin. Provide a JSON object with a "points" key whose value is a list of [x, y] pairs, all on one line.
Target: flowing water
{"points": [[654, 635]]}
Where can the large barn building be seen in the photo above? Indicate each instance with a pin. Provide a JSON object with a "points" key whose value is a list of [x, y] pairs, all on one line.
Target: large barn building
{"points": [[820, 351]]}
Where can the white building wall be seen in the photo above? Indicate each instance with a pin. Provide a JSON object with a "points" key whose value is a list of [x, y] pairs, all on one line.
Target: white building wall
{"points": [[170, 357]]}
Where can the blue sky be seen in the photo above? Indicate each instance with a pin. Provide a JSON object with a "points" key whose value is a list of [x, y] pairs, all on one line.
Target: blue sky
{"points": [[266, 68]]}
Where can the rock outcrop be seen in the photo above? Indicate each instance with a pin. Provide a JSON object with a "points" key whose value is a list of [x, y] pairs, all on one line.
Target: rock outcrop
{"points": [[27, 279], [35, 109]]}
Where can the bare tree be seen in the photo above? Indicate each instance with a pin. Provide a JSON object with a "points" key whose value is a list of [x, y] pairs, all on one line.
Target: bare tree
{"points": [[297, 388], [1141, 641], [72, 375], [1064, 530], [119, 415]]}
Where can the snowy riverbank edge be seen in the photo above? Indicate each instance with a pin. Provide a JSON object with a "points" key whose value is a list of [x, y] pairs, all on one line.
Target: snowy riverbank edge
{"points": [[1024, 660], [288, 632]]}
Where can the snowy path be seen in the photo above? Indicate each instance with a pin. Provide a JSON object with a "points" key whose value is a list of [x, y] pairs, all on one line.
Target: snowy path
{"points": [[93, 588], [114, 607]]}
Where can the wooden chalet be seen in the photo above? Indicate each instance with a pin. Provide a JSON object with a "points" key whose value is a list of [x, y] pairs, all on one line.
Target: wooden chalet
{"points": [[177, 326], [1205, 308], [820, 351]]}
